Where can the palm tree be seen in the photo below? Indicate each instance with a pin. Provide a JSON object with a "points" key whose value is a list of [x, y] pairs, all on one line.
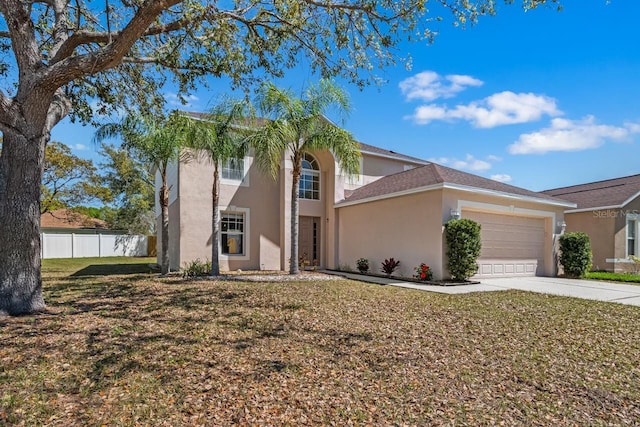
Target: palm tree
{"points": [[220, 137], [299, 125], [159, 142]]}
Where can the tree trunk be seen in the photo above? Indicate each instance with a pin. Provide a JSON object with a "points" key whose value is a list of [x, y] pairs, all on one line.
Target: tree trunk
{"points": [[294, 267], [21, 166], [164, 234], [215, 222]]}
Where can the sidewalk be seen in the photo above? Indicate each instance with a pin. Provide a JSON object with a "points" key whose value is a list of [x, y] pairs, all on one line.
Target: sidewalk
{"points": [[585, 289]]}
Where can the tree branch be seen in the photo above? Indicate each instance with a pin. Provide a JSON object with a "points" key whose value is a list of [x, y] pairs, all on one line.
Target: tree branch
{"points": [[84, 37], [22, 34], [74, 67]]}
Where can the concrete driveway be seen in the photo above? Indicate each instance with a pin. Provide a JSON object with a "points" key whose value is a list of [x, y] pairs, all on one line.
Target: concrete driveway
{"points": [[587, 289]]}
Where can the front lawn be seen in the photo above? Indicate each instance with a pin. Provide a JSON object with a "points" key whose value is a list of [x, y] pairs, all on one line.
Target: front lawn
{"points": [[139, 350], [614, 277], [100, 266]]}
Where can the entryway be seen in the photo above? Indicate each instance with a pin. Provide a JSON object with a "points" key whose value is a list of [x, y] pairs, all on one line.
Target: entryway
{"points": [[309, 239]]}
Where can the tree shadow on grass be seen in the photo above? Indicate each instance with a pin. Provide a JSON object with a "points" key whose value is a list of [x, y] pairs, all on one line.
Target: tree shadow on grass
{"points": [[115, 269]]}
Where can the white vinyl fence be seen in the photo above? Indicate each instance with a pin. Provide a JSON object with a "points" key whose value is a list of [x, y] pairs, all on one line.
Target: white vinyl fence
{"points": [[77, 245]]}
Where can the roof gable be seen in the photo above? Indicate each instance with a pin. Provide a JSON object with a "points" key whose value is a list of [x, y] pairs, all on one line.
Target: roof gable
{"points": [[433, 175], [608, 193]]}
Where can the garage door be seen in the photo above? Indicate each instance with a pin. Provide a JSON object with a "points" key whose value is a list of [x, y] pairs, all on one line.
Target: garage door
{"points": [[511, 245]]}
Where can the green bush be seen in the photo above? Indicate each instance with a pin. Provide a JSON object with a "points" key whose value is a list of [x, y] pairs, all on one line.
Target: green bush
{"points": [[575, 254], [363, 265], [196, 268], [463, 247]]}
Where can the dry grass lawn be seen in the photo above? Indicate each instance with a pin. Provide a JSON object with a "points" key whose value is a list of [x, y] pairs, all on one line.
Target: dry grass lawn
{"points": [[135, 349]]}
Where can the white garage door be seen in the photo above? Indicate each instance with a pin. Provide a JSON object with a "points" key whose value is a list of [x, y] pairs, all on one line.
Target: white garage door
{"points": [[511, 245]]}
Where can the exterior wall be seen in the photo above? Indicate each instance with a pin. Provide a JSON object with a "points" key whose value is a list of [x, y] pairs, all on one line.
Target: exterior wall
{"points": [[607, 230], [601, 228], [174, 235], [631, 210], [175, 223], [407, 228], [172, 183], [259, 200], [374, 167], [461, 200]]}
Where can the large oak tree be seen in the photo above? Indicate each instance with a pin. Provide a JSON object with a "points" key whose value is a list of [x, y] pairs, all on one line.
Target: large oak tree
{"points": [[59, 56]]}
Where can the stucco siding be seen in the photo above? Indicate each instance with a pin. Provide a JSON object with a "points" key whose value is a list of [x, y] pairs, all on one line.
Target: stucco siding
{"points": [[600, 226], [552, 215], [407, 228], [259, 201], [374, 167]]}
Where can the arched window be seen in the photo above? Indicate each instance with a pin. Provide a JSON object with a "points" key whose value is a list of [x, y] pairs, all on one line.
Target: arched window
{"points": [[310, 178]]}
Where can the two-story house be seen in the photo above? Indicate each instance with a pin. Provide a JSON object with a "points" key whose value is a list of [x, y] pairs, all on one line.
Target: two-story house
{"points": [[395, 207]]}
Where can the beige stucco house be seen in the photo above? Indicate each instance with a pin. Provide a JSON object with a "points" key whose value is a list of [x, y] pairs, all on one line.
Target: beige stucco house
{"points": [[396, 208], [608, 211]]}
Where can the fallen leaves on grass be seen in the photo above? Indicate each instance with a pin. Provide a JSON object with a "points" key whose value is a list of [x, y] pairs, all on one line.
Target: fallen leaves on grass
{"points": [[123, 350]]}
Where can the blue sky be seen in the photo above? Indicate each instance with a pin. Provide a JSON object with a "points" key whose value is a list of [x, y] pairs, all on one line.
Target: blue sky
{"points": [[538, 99]]}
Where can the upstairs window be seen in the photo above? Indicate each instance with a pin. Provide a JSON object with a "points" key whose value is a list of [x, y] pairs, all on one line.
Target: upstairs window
{"points": [[309, 179], [233, 169]]}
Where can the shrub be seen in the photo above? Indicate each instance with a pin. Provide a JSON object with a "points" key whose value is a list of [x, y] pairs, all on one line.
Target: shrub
{"points": [[423, 272], [389, 266], [463, 247], [362, 265], [196, 268], [635, 267], [303, 262], [575, 254]]}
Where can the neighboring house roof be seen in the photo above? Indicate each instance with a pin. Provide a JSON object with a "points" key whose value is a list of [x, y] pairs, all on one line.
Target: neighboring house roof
{"points": [[65, 218], [610, 193], [434, 176]]}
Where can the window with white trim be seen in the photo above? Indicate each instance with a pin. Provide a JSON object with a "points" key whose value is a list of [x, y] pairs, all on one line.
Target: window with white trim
{"points": [[309, 178], [232, 233], [233, 169], [632, 239]]}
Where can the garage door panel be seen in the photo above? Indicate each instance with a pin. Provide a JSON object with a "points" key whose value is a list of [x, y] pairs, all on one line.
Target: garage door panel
{"points": [[511, 245]]}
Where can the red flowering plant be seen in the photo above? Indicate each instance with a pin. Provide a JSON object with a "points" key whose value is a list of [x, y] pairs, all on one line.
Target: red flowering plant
{"points": [[423, 272]]}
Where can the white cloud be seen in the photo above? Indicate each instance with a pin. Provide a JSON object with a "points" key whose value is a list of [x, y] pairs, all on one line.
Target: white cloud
{"points": [[570, 135], [469, 163], [429, 85], [499, 109], [187, 101], [501, 177], [493, 158], [79, 147]]}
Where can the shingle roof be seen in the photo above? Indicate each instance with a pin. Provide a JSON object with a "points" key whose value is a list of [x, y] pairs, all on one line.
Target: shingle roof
{"points": [[64, 218], [608, 193], [389, 153], [259, 121], [433, 174]]}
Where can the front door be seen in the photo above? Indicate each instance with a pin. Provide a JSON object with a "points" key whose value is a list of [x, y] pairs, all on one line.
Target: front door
{"points": [[309, 240]]}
